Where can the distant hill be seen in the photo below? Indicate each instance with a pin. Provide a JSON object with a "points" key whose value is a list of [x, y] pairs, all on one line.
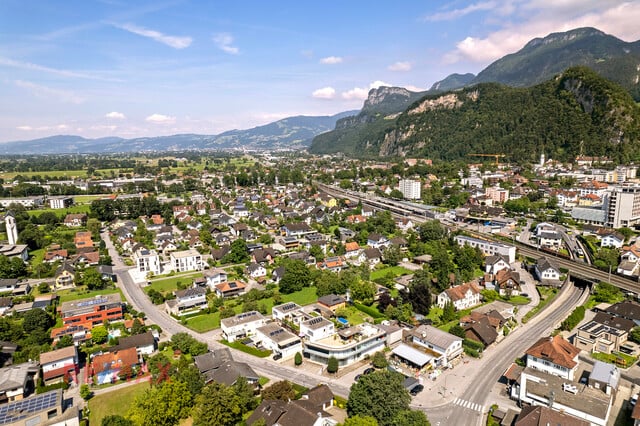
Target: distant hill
{"points": [[292, 132], [542, 58], [554, 116], [451, 82]]}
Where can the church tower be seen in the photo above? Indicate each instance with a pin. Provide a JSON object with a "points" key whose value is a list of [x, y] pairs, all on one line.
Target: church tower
{"points": [[12, 229]]}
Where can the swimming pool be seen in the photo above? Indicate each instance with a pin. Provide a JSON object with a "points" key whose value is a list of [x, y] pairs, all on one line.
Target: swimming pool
{"points": [[343, 321]]}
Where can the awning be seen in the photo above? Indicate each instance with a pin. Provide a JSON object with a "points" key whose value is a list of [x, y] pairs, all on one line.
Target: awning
{"points": [[413, 355]]}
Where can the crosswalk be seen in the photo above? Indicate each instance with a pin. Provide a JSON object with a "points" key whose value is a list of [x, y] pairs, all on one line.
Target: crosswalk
{"points": [[470, 405]]}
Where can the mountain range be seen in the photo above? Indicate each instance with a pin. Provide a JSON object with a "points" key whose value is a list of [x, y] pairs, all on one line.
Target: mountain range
{"points": [[383, 129], [288, 133]]}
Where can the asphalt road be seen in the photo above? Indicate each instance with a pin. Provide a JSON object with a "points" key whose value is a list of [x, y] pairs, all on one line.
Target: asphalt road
{"points": [[476, 394]]}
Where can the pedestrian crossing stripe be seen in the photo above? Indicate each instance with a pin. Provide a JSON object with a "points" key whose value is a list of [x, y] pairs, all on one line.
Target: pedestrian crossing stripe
{"points": [[468, 404]]}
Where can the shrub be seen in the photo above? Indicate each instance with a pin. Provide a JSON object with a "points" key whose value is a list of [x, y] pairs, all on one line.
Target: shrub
{"points": [[298, 358], [332, 366]]}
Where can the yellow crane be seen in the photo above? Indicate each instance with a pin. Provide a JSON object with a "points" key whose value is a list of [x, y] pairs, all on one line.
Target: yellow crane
{"points": [[496, 156]]}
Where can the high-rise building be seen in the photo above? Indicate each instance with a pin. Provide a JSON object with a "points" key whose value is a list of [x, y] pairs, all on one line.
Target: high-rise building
{"points": [[410, 189], [623, 206]]}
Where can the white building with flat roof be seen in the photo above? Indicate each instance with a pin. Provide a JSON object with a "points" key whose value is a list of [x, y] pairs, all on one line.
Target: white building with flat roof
{"points": [[241, 325], [489, 248], [146, 261], [410, 189], [187, 260]]}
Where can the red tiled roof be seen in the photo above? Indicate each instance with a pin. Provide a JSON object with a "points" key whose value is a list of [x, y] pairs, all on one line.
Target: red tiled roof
{"points": [[555, 349], [114, 360]]}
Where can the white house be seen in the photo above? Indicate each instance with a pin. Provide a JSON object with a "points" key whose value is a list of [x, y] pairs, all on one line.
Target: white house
{"points": [[378, 241], [187, 301], [58, 364], [278, 340], [547, 270], [215, 276], [286, 311], [611, 238], [147, 261], [493, 264], [462, 296], [446, 345], [317, 329], [553, 355], [256, 271], [187, 260], [241, 325]]}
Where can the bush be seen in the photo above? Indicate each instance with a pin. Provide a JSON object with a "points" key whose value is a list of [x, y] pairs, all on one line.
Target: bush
{"points": [[298, 358], [574, 319], [332, 366], [373, 312]]}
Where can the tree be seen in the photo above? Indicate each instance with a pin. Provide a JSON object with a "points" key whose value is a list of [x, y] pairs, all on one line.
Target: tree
{"points": [[188, 344], [93, 279], [160, 368], [99, 334], [116, 420], [379, 360], [397, 194], [43, 287], [217, 405], [36, 320], [296, 276], [85, 392], [138, 327], [125, 372], [410, 418], [163, 405], [420, 292], [448, 312], [190, 375], [392, 255], [332, 365], [360, 421], [363, 290], [282, 390], [432, 231], [634, 335], [298, 358], [380, 394], [244, 392], [64, 341], [238, 252], [32, 236], [607, 293]]}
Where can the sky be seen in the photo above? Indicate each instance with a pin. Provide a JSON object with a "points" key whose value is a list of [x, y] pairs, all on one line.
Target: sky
{"points": [[124, 68]]}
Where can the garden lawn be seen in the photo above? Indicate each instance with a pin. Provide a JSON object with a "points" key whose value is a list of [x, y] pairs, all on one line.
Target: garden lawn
{"points": [[167, 285], [306, 296], [116, 402], [619, 359], [82, 208], [82, 293], [355, 316], [396, 270], [204, 323], [87, 199]]}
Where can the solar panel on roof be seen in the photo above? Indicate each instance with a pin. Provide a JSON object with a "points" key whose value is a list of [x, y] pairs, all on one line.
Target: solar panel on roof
{"points": [[233, 285], [315, 321]]}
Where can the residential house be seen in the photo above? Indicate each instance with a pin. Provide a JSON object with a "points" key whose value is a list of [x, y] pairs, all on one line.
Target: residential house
{"points": [[218, 366], [604, 333], [334, 264], [604, 376], [147, 261], [57, 255], [83, 240], [610, 238], [187, 301], [371, 256], [91, 311], [5, 304], [256, 271], [187, 260], [278, 340], [495, 263], [352, 250], [378, 241], [540, 415], [463, 296], [317, 328], [144, 343], [65, 275], [296, 230], [547, 270], [444, 346], [550, 239], [106, 367], [348, 345], [332, 302], [106, 271], [75, 220], [489, 248], [507, 283], [230, 288], [553, 355], [309, 410], [404, 224], [483, 328], [264, 256], [215, 276], [286, 311], [59, 365], [241, 325], [628, 310], [18, 381]]}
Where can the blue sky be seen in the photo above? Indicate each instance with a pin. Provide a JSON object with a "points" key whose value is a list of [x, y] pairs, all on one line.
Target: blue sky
{"points": [[148, 68]]}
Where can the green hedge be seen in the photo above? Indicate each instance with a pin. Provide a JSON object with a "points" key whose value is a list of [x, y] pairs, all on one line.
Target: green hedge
{"points": [[373, 312], [574, 319]]}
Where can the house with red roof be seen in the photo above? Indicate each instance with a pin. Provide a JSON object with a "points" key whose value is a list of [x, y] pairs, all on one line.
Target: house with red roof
{"points": [[553, 355]]}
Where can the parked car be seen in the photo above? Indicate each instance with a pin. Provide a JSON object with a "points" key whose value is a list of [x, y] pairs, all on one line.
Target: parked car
{"points": [[277, 356], [416, 390], [369, 370], [634, 400], [357, 377]]}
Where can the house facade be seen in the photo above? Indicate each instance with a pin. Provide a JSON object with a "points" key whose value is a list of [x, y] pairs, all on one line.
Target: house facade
{"points": [[463, 296], [187, 260], [553, 355], [241, 325]]}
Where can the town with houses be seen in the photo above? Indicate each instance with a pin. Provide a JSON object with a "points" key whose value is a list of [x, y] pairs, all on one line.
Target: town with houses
{"points": [[488, 294]]}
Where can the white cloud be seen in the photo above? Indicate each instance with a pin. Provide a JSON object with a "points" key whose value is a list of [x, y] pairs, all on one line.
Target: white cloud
{"points": [[379, 83], [160, 119], [115, 115], [458, 13], [224, 41], [331, 60], [48, 92], [400, 66], [543, 17], [62, 127], [25, 128], [324, 93], [357, 93], [171, 41], [414, 88]]}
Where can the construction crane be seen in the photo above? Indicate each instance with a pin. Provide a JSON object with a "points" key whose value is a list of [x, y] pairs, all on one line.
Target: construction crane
{"points": [[496, 156]]}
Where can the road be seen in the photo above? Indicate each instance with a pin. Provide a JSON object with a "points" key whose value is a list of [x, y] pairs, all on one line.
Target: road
{"points": [[265, 367]]}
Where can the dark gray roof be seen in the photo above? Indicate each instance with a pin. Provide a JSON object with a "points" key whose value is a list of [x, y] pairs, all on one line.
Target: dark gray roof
{"points": [[191, 291], [331, 300], [544, 263], [628, 310], [229, 372], [213, 359], [135, 341]]}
